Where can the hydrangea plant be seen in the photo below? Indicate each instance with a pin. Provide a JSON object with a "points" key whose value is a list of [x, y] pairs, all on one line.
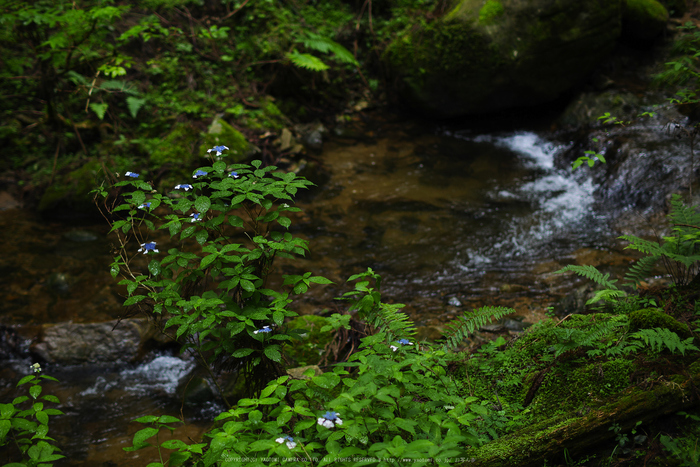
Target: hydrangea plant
{"points": [[206, 286]]}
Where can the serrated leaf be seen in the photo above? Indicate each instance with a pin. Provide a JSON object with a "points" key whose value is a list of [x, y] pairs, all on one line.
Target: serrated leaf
{"points": [[273, 354], [240, 353], [284, 221], [99, 109], [202, 204], [134, 104], [306, 61], [142, 435]]}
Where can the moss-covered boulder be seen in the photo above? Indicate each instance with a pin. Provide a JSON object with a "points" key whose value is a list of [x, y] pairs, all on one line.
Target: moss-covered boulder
{"points": [[642, 21], [69, 196], [221, 133], [490, 55], [175, 149], [650, 318]]}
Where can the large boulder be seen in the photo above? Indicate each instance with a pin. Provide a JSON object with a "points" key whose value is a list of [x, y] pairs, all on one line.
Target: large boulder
{"points": [[643, 21], [485, 56], [118, 341]]}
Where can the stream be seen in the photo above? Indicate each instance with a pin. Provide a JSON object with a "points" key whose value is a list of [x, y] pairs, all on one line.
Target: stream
{"points": [[452, 218]]}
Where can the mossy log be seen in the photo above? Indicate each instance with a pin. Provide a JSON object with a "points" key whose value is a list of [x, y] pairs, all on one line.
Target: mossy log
{"points": [[578, 434]]}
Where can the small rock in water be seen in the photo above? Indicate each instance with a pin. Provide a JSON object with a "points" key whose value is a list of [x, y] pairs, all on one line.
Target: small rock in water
{"points": [[80, 236], [59, 282], [454, 301]]}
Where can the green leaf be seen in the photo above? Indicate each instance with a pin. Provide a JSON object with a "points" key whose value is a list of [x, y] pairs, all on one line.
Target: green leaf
{"points": [[247, 285], [99, 109], [142, 435], [34, 391], [42, 417], [154, 267], [202, 204], [240, 353], [174, 444], [134, 104], [273, 354], [5, 426], [306, 61], [284, 221], [25, 380]]}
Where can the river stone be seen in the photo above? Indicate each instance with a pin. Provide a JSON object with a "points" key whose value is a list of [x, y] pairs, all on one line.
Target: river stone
{"points": [[489, 56], [107, 342]]}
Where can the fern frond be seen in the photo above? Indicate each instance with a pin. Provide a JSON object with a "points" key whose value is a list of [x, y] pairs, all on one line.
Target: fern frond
{"points": [[324, 45], [645, 246], [641, 270], [608, 295], [591, 273], [460, 328], [306, 61], [600, 331], [660, 338], [681, 213], [387, 318]]}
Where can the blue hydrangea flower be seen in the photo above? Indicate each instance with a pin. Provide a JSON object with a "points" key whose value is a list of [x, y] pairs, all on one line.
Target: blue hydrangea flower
{"points": [[184, 186], [145, 205], [218, 149], [132, 174], [264, 329], [289, 440], [330, 419], [149, 246], [234, 175], [400, 342], [195, 217], [200, 173]]}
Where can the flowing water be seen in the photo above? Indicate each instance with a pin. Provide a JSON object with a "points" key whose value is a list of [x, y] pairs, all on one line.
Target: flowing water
{"points": [[451, 218]]}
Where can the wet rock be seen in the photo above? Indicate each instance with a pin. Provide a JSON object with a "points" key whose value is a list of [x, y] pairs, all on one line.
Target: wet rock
{"points": [[575, 302], [59, 282], [80, 236], [196, 390], [488, 56], [7, 201], [311, 135], [107, 342], [454, 301], [516, 325], [298, 373], [221, 133]]}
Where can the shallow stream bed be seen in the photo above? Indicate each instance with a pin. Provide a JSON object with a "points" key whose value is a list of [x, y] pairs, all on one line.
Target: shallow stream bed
{"points": [[452, 218]]}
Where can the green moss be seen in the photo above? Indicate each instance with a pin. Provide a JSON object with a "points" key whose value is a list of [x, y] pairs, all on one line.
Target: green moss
{"points": [[649, 318], [490, 11], [646, 10], [223, 134], [73, 190], [266, 118], [174, 149]]}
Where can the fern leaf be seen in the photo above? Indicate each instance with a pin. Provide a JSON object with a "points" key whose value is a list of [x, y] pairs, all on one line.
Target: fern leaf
{"points": [[325, 45], [681, 213], [134, 104], [660, 338], [609, 295], [645, 246], [641, 270], [461, 327], [387, 318], [591, 273], [306, 61]]}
